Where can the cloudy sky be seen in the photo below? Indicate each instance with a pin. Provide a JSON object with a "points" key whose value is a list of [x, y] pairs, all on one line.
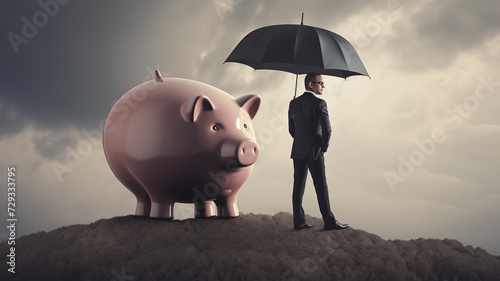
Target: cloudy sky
{"points": [[414, 150]]}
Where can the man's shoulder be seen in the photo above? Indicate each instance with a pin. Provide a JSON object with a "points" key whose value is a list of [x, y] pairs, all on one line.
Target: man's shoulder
{"points": [[308, 97], [299, 99]]}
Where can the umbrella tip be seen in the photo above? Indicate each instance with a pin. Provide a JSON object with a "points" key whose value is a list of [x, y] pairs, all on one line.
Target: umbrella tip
{"points": [[302, 20]]}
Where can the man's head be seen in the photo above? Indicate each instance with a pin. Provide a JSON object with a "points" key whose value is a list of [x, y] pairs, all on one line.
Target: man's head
{"points": [[314, 83]]}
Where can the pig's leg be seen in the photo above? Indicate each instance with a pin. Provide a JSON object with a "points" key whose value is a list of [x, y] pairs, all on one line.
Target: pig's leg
{"points": [[162, 210], [227, 206], [143, 206], [204, 209]]}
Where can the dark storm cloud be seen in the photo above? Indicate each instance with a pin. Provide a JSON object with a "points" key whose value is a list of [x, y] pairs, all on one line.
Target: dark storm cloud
{"points": [[458, 24], [53, 146], [65, 62], [442, 30], [78, 57], [69, 68], [11, 120]]}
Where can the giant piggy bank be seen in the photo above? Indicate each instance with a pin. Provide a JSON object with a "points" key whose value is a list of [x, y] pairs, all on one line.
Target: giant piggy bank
{"points": [[176, 140]]}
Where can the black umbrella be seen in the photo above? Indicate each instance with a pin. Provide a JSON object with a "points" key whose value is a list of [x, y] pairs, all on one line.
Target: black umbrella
{"points": [[298, 49]]}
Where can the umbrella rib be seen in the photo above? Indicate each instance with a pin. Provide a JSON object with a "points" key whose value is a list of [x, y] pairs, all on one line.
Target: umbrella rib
{"points": [[295, 48], [349, 71], [331, 35]]}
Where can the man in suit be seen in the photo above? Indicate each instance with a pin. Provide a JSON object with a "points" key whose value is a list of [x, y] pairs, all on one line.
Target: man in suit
{"points": [[309, 126]]}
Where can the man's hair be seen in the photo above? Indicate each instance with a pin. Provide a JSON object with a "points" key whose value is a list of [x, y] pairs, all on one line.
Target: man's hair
{"points": [[310, 77]]}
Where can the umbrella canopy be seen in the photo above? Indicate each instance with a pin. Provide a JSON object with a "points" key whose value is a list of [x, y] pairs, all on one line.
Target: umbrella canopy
{"points": [[298, 49]]}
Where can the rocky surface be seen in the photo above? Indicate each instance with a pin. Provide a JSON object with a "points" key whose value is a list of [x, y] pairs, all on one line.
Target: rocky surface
{"points": [[251, 247]]}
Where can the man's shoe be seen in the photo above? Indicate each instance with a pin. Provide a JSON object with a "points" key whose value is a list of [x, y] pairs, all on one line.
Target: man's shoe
{"points": [[303, 226], [335, 226]]}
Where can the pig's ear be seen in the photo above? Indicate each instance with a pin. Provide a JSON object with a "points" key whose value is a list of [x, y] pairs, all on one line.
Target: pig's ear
{"points": [[191, 109], [250, 103]]}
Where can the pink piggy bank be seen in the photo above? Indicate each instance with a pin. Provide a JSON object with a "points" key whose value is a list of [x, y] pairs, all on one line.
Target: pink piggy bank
{"points": [[176, 140]]}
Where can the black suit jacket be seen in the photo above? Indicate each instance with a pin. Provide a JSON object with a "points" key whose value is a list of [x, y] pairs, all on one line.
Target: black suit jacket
{"points": [[309, 125]]}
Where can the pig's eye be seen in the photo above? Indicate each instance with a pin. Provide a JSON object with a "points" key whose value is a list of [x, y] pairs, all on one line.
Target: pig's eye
{"points": [[217, 127], [245, 125]]}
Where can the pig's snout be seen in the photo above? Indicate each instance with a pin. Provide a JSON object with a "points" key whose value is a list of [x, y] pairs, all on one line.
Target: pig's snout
{"points": [[248, 152], [244, 152]]}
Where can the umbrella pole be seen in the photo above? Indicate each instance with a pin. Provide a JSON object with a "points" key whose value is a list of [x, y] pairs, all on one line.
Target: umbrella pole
{"points": [[296, 79], [297, 73]]}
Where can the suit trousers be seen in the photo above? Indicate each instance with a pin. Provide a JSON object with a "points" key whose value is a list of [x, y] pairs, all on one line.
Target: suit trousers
{"points": [[317, 169]]}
